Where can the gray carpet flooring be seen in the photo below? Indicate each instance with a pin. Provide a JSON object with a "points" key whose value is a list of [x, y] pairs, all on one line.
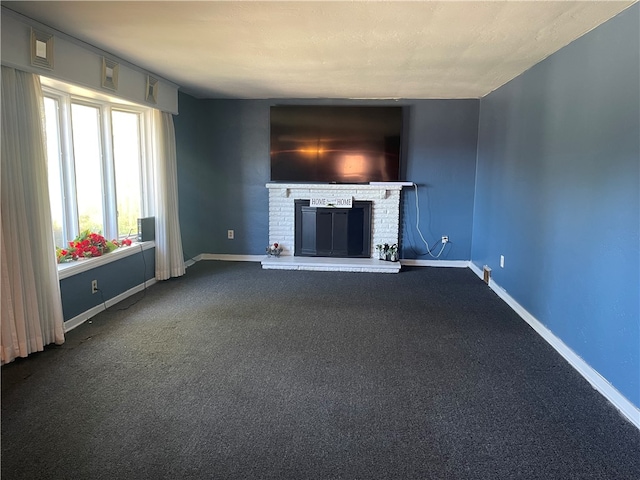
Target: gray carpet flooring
{"points": [[233, 372]]}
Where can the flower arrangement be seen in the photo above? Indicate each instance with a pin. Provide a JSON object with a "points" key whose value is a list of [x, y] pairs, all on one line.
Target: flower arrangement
{"points": [[274, 250], [386, 252], [87, 245]]}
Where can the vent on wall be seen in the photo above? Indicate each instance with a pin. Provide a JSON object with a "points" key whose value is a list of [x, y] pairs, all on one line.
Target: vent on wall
{"points": [[110, 70], [41, 49], [151, 93], [487, 274]]}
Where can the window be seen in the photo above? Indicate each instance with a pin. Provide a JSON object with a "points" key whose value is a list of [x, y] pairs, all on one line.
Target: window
{"points": [[87, 156], [96, 163], [126, 156], [52, 128]]}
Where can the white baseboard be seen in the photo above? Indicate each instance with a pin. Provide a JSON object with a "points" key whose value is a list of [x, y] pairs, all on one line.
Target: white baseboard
{"points": [[92, 312], [476, 270], [409, 262], [260, 258], [192, 261], [597, 381]]}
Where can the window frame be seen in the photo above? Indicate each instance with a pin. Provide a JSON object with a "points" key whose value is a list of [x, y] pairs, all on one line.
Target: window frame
{"points": [[145, 172], [65, 96]]}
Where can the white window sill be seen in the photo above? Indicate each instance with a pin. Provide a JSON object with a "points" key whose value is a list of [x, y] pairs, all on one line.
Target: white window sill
{"points": [[69, 269]]}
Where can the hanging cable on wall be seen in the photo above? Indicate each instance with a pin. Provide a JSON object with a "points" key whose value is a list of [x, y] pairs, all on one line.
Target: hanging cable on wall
{"points": [[415, 188]]}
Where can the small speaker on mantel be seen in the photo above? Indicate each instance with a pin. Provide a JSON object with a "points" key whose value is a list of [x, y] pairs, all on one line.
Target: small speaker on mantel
{"points": [[146, 229]]}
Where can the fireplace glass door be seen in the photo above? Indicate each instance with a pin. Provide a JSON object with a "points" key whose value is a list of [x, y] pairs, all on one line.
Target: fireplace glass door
{"points": [[333, 232]]}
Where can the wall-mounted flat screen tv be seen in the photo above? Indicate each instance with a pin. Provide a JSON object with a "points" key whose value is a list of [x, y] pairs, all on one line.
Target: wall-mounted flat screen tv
{"points": [[341, 144]]}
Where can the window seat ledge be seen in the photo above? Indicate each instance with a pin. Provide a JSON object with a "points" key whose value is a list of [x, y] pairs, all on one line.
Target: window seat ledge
{"points": [[69, 269]]}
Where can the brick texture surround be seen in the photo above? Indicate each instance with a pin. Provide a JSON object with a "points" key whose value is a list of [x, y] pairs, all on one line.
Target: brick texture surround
{"points": [[385, 214]]}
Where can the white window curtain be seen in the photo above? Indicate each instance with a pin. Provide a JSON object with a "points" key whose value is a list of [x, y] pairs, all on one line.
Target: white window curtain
{"points": [[30, 291], [169, 257]]}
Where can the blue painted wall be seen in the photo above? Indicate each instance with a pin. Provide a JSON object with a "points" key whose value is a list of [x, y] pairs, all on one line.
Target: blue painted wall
{"points": [[194, 178], [238, 159], [441, 159], [557, 194], [223, 169], [113, 279]]}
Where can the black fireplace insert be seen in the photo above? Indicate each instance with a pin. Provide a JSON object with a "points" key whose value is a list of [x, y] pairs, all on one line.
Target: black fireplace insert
{"points": [[333, 232]]}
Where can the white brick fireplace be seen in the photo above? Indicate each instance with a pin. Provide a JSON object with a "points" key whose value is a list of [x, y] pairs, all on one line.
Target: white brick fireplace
{"points": [[385, 224]]}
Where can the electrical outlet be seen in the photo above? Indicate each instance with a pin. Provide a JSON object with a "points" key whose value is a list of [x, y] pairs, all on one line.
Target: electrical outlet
{"points": [[94, 286], [445, 239], [230, 234]]}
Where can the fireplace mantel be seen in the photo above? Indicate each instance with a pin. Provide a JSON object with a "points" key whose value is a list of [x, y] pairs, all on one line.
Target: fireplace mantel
{"points": [[287, 188], [385, 198]]}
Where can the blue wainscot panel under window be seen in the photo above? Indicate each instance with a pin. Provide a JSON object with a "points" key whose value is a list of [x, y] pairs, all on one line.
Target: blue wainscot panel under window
{"points": [[113, 279]]}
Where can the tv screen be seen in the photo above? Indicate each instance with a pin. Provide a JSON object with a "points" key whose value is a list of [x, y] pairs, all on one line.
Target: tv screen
{"points": [[341, 144]]}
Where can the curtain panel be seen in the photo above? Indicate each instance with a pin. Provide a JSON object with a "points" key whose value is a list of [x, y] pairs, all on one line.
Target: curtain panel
{"points": [[169, 256], [30, 292]]}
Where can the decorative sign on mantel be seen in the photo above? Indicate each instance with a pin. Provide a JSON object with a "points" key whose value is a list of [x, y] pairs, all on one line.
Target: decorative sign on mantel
{"points": [[335, 202]]}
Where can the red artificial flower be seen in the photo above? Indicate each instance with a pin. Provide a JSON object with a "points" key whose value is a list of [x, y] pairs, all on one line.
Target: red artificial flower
{"points": [[88, 244]]}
